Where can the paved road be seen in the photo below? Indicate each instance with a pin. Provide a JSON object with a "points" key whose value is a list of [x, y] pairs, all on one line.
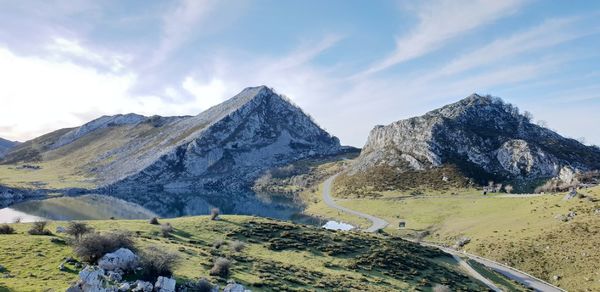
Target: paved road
{"points": [[509, 272], [376, 223]]}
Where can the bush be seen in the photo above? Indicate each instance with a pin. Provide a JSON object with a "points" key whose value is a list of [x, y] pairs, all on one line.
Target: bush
{"points": [[237, 246], [92, 246], [78, 229], [166, 229], [155, 262], [6, 229], [441, 288], [202, 285], [214, 213], [39, 228], [218, 243], [154, 221], [221, 268]]}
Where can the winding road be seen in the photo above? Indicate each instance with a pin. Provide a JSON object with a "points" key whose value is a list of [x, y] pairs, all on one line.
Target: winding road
{"points": [[511, 273], [376, 223]]}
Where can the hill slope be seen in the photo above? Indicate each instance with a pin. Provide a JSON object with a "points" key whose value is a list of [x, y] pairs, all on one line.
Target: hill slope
{"points": [[6, 145], [225, 146], [483, 137], [278, 256]]}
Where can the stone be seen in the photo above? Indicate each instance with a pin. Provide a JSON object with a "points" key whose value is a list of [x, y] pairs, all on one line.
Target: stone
{"points": [[122, 258], [142, 286], [61, 267], [60, 229], [91, 278], [164, 284], [114, 276], [232, 286], [556, 277], [125, 287]]}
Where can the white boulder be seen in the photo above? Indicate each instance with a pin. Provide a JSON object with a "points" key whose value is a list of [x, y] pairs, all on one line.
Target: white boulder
{"points": [[123, 259], [164, 284]]}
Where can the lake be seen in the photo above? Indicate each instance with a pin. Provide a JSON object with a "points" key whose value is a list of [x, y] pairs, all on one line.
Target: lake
{"points": [[157, 204]]}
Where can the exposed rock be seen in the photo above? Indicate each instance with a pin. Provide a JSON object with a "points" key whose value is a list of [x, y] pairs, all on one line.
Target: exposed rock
{"points": [[462, 242], [125, 287], [232, 286], [123, 259], [60, 229], [114, 276], [480, 135], [142, 286], [91, 278], [223, 148], [164, 284]]}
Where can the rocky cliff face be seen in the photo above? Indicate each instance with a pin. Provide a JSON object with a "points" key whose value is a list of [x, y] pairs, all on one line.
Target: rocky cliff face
{"points": [[6, 145], [256, 130], [478, 134], [224, 147]]}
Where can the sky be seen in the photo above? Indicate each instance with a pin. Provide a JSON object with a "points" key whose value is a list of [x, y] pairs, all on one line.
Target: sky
{"points": [[350, 64]]}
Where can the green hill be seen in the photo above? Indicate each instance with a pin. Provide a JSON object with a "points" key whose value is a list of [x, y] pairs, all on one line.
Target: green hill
{"points": [[279, 256]]}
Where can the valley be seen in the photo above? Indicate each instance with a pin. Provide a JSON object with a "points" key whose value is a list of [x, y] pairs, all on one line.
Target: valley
{"points": [[427, 183]]}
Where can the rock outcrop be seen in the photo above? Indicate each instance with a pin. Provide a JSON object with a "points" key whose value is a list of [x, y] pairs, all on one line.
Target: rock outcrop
{"points": [[122, 259], [479, 134], [224, 147]]}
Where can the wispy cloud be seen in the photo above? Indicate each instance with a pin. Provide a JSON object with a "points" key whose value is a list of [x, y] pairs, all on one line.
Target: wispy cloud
{"points": [[440, 22]]}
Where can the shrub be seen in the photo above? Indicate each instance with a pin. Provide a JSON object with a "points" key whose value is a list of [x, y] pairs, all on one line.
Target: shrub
{"points": [[237, 246], [6, 229], [214, 213], [218, 243], [92, 246], [221, 268], [166, 229], [155, 262], [441, 288], [508, 189], [78, 229], [39, 228], [202, 285], [154, 221]]}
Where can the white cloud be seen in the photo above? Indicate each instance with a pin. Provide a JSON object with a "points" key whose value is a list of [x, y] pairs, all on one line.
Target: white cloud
{"points": [[179, 23], [72, 50], [206, 94], [440, 22]]}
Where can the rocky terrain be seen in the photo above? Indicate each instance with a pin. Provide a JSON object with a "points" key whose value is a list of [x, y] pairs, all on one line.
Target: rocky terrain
{"points": [[6, 145], [485, 138], [224, 147]]}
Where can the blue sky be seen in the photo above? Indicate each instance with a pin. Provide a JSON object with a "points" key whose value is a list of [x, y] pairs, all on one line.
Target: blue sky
{"points": [[350, 64]]}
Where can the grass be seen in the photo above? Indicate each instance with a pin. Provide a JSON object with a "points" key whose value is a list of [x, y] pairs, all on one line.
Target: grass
{"points": [[278, 255], [522, 232]]}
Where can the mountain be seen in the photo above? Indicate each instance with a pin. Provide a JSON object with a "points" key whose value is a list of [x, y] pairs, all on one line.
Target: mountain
{"points": [[6, 145], [481, 136], [224, 147]]}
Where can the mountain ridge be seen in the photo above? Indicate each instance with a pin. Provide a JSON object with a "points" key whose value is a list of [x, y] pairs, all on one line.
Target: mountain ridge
{"points": [[107, 152], [479, 132]]}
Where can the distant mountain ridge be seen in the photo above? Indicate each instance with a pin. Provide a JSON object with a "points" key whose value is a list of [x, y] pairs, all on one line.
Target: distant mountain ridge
{"points": [[224, 146], [480, 134], [6, 145]]}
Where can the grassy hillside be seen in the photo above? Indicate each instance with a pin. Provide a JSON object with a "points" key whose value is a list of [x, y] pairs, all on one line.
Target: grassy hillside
{"points": [[278, 256], [527, 232]]}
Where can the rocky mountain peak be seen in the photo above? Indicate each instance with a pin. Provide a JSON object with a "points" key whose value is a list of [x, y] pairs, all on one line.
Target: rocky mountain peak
{"points": [[480, 133]]}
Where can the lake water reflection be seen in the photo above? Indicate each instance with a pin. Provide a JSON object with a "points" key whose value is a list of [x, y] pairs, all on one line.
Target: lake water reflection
{"points": [[145, 205]]}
